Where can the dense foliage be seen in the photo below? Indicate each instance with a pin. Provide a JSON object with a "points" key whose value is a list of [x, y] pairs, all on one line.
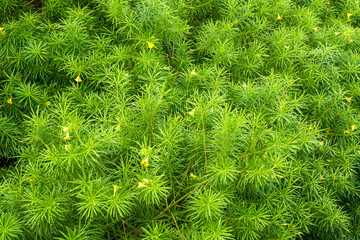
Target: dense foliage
{"points": [[179, 119]]}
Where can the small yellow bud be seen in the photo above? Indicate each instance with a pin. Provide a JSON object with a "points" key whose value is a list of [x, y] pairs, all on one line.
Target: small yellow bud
{"points": [[336, 33], [321, 177], [9, 101], [67, 137], [150, 45], [47, 103], [349, 15], [310, 127], [78, 79], [316, 29], [91, 28], [192, 175], [117, 127], [32, 180], [67, 147], [115, 188], [193, 73], [192, 112], [353, 127], [286, 47], [278, 17], [348, 99], [141, 184], [321, 143], [327, 131], [145, 162], [346, 33]]}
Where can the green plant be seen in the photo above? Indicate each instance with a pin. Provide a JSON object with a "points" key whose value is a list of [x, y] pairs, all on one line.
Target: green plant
{"points": [[191, 119]]}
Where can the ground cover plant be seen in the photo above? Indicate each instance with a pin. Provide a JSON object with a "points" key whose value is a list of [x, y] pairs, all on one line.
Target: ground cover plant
{"points": [[179, 119]]}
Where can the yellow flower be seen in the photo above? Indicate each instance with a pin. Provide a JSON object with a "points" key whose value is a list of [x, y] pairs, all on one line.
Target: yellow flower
{"points": [[192, 113], [65, 129], [350, 41], [286, 47], [348, 99], [346, 131], [348, 20], [278, 17], [91, 28], [141, 184], [349, 15], [115, 188], [336, 33], [192, 176], [150, 45], [193, 73], [67, 137], [2, 29], [353, 127], [316, 29], [117, 127], [9, 101], [78, 79], [310, 127], [145, 180], [145, 162], [47, 103], [32, 180]]}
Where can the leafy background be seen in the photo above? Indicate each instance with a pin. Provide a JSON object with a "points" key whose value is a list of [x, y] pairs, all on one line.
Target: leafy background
{"points": [[190, 119]]}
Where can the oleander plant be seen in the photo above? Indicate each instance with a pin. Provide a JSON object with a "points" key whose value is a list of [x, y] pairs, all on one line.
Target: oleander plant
{"points": [[179, 119]]}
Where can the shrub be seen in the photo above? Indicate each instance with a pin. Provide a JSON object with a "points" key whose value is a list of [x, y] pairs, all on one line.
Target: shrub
{"points": [[166, 119]]}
